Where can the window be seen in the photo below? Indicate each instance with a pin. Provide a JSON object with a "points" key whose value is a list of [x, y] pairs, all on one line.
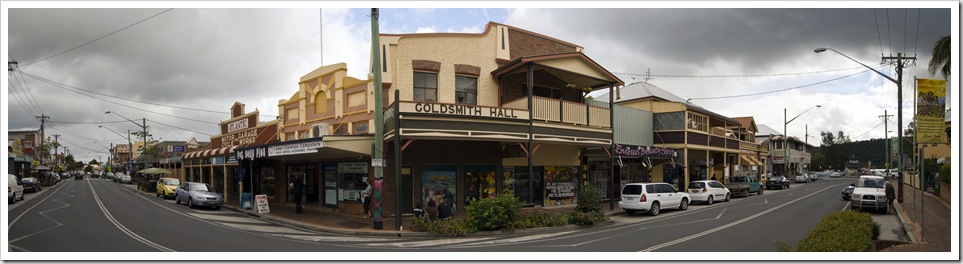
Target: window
{"points": [[466, 90], [360, 127], [426, 87], [547, 92], [341, 129], [698, 122]]}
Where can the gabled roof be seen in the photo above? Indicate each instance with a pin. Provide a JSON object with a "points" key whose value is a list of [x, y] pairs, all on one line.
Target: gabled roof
{"points": [[578, 78], [765, 130], [640, 90], [747, 122]]}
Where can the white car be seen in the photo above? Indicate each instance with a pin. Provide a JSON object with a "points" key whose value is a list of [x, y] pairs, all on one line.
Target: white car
{"points": [[813, 176], [802, 178], [870, 193], [708, 191], [834, 175], [652, 197], [14, 189]]}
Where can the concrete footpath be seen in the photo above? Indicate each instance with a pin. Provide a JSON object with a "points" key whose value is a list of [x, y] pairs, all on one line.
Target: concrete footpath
{"points": [[926, 218]]}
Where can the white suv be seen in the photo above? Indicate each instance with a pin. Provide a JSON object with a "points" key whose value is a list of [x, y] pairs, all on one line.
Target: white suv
{"points": [[870, 193], [652, 197]]}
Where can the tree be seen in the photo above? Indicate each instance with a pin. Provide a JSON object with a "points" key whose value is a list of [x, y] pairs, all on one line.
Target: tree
{"points": [[835, 150], [941, 57]]}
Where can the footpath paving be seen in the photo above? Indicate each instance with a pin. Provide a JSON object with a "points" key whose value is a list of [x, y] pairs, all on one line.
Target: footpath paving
{"points": [[927, 219]]}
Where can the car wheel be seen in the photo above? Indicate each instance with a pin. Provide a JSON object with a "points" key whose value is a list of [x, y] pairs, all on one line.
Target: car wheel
{"points": [[685, 204], [158, 195], [745, 192], [190, 202], [13, 199], [709, 200], [654, 210], [629, 212], [177, 200], [760, 191], [727, 197]]}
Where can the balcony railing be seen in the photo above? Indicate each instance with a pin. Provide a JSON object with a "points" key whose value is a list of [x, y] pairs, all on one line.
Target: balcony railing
{"points": [[593, 114]]}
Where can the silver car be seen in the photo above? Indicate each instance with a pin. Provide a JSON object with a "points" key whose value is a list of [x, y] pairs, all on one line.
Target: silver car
{"points": [[198, 194]]}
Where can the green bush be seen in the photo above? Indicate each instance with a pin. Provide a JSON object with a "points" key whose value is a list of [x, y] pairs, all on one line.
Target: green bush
{"points": [[845, 231], [541, 219], [589, 199], [587, 218], [453, 227], [494, 213], [945, 173]]}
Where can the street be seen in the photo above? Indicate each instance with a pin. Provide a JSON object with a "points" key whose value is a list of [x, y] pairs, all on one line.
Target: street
{"points": [[94, 215]]}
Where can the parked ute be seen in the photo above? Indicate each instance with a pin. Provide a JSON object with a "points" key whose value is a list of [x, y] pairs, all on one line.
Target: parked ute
{"points": [[870, 193], [744, 185], [652, 197]]}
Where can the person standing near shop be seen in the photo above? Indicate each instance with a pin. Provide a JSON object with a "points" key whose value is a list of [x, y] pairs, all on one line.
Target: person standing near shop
{"points": [[890, 196], [298, 186], [366, 199]]}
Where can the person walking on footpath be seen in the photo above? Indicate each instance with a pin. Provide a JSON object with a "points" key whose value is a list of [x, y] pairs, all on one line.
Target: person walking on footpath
{"points": [[298, 191], [890, 196], [366, 199]]}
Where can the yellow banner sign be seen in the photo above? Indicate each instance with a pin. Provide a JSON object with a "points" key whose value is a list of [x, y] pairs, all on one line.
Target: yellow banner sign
{"points": [[930, 105]]}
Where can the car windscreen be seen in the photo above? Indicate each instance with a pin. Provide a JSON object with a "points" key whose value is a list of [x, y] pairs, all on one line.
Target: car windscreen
{"points": [[697, 185], [869, 183], [632, 190], [172, 182], [199, 187]]}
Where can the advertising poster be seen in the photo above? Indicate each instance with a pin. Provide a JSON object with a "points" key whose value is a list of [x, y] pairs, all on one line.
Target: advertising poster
{"points": [[930, 103], [438, 185], [560, 185], [479, 182]]}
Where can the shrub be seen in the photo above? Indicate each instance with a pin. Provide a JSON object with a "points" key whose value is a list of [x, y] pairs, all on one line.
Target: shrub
{"points": [[587, 218], [454, 227], [846, 231], [945, 173], [494, 213], [589, 199], [541, 219]]}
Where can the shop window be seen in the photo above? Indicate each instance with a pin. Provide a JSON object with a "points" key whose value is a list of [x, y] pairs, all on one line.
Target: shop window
{"points": [[352, 177], [438, 184], [466, 90], [266, 174], [425, 87], [698, 122], [479, 182], [360, 127], [560, 185]]}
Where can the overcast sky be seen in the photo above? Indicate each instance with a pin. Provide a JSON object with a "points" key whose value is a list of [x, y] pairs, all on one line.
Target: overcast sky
{"points": [[166, 68]]}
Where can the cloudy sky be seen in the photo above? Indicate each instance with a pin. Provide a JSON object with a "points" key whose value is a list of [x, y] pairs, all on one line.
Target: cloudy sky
{"points": [[183, 68]]}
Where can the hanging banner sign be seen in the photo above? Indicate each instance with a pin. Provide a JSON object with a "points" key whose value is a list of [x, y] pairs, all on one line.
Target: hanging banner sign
{"points": [[930, 111], [292, 149]]}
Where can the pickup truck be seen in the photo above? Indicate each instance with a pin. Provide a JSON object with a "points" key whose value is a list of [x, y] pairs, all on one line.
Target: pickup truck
{"points": [[744, 185]]}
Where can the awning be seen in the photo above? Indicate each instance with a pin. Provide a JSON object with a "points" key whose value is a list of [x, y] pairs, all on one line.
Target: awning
{"points": [[209, 152], [756, 161], [745, 160]]}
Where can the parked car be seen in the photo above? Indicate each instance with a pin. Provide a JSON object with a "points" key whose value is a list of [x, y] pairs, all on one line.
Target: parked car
{"points": [[834, 175], [848, 191], [14, 189], [803, 178], [198, 194], [652, 197], [812, 176], [708, 191], [870, 193], [744, 185], [166, 187], [777, 182], [124, 179], [32, 184]]}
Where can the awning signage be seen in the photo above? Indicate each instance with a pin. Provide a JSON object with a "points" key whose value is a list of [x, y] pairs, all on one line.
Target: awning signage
{"points": [[292, 149], [630, 151], [253, 153], [353, 167], [462, 110]]}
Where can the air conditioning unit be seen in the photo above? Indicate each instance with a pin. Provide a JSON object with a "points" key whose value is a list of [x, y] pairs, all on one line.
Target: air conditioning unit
{"points": [[319, 130]]}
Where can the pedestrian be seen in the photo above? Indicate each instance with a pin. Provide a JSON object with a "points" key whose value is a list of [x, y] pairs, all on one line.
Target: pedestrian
{"points": [[431, 210], [366, 199], [298, 190], [890, 196], [418, 212], [445, 211]]}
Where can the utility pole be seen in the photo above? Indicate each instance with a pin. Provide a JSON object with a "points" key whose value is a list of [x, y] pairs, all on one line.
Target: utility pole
{"points": [[377, 160], [899, 115], [43, 119], [56, 150], [886, 117]]}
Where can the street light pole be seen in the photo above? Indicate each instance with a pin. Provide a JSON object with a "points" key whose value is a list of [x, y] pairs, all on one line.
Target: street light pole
{"points": [[899, 99], [785, 136], [143, 134]]}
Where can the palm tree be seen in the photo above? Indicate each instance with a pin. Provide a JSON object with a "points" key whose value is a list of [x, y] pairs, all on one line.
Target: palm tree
{"points": [[941, 57]]}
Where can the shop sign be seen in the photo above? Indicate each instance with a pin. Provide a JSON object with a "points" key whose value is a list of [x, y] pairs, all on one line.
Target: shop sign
{"points": [[639, 151], [237, 139], [463, 110], [237, 125], [253, 153], [262, 203], [292, 149], [353, 167], [231, 160]]}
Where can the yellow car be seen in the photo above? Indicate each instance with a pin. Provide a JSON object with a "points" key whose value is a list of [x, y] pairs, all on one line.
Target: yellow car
{"points": [[166, 186]]}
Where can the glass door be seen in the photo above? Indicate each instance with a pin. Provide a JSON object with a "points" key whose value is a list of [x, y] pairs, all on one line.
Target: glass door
{"points": [[330, 195]]}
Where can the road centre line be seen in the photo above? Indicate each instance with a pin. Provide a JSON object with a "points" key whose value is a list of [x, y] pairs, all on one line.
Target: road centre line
{"points": [[28, 209], [123, 228], [710, 231]]}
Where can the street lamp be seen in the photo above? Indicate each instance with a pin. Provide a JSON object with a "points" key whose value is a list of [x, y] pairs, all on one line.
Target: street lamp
{"points": [[130, 147], [785, 136], [142, 126], [899, 99]]}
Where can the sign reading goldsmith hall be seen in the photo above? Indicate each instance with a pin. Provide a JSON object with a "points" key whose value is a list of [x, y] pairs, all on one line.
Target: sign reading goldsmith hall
{"points": [[463, 110]]}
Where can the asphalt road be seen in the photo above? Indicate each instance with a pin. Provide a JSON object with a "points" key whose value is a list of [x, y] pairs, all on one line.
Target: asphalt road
{"points": [[100, 216]]}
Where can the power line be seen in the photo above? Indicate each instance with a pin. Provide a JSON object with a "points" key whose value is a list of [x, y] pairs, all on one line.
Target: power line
{"points": [[180, 128], [889, 33], [105, 100], [732, 75], [867, 131], [916, 45], [775, 91], [92, 41], [878, 34], [17, 97], [905, 19], [92, 122]]}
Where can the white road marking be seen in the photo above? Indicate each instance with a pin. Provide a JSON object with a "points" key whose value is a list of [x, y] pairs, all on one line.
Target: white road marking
{"points": [[264, 228], [336, 239], [428, 243], [239, 219], [510, 240], [121, 226], [710, 231]]}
